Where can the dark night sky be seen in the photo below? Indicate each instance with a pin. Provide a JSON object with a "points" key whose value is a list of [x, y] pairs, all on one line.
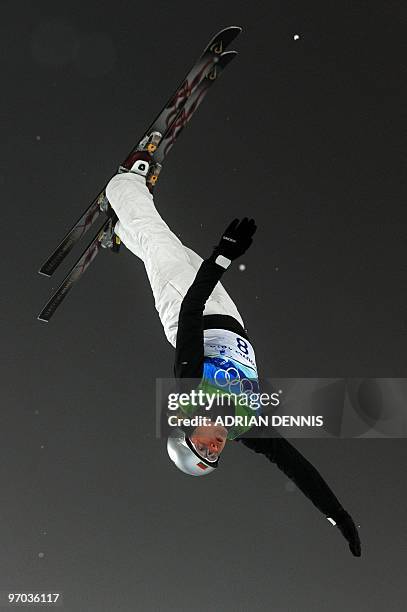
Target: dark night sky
{"points": [[309, 138]]}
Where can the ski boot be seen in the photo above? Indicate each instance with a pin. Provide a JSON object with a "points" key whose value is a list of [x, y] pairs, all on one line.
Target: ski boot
{"points": [[140, 162]]}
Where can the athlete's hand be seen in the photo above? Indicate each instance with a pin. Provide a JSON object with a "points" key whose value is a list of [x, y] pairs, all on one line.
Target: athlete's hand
{"points": [[347, 527], [236, 238]]}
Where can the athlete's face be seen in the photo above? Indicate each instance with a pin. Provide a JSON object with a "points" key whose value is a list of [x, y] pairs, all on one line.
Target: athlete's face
{"points": [[209, 440]]}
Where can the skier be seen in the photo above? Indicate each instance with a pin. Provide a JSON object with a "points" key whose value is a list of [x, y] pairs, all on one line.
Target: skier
{"points": [[202, 323]]}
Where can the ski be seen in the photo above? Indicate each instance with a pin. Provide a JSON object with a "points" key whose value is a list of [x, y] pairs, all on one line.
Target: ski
{"points": [[105, 237], [191, 106], [149, 140], [75, 273]]}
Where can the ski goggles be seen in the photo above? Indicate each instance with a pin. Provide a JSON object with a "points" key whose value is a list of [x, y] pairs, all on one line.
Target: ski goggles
{"points": [[208, 456]]}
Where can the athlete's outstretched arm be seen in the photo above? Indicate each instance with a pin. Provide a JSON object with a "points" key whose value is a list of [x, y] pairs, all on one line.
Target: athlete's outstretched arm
{"points": [[309, 481], [189, 352]]}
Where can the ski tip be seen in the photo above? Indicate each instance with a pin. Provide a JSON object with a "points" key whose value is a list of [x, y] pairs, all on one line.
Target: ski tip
{"points": [[226, 57], [226, 35], [236, 28], [44, 273], [42, 318]]}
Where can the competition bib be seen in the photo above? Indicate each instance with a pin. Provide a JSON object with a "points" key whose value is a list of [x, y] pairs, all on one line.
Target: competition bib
{"points": [[227, 344]]}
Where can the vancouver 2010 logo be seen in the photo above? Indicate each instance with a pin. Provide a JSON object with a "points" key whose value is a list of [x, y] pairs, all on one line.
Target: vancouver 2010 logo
{"points": [[231, 380]]}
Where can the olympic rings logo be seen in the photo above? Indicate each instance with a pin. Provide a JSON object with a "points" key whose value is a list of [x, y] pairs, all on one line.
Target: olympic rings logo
{"points": [[230, 379]]}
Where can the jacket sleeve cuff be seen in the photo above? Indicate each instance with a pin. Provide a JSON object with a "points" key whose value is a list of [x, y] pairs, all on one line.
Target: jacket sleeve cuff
{"points": [[222, 261]]}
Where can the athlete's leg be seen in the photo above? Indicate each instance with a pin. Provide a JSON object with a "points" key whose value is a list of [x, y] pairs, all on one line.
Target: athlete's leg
{"points": [[168, 264]]}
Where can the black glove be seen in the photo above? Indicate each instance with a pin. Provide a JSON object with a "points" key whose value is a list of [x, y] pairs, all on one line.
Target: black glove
{"points": [[236, 238], [349, 531]]}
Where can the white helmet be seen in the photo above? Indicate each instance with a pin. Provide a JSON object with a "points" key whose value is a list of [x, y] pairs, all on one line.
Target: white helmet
{"points": [[183, 453]]}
